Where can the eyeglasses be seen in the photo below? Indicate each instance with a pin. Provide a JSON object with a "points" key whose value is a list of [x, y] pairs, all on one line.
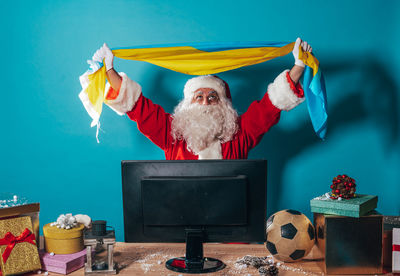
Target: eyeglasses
{"points": [[212, 96]]}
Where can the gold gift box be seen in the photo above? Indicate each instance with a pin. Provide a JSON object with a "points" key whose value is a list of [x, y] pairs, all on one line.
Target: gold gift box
{"points": [[24, 257], [31, 210], [350, 245], [63, 241]]}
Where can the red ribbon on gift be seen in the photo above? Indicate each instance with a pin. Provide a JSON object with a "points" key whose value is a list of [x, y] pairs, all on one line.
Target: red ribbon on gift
{"points": [[10, 240], [396, 247]]}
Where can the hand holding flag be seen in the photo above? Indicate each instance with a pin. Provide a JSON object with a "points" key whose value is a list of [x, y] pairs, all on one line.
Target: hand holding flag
{"points": [[296, 51], [104, 53]]}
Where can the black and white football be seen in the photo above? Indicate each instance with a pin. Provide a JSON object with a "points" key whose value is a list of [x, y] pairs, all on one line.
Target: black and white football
{"points": [[290, 235]]}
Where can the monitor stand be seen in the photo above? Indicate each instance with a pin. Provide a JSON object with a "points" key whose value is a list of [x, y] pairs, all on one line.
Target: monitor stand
{"points": [[194, 262]]}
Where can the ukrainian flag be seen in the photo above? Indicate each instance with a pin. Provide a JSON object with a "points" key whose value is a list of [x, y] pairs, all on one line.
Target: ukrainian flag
{"points": [[209, 58]]}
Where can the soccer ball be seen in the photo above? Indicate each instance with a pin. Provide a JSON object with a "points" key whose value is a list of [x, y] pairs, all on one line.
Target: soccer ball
{"points": [[290, 235]]}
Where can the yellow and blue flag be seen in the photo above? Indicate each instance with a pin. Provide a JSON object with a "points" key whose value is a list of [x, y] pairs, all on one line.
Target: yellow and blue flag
{"points": [[210, 58]]}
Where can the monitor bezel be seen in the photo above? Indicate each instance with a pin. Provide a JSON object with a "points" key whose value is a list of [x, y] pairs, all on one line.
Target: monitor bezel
{"points": [[134, 231]]}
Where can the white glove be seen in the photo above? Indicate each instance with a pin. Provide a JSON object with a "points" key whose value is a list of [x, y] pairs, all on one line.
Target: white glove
{"points": [[306, 48], [104, 53]]}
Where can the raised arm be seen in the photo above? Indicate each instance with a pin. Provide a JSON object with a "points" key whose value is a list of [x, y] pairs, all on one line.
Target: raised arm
{"points": [[114, 78], [125, 97], [284, 93]]}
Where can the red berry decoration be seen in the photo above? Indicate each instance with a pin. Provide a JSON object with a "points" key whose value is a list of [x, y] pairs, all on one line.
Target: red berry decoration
{"points": [[343, 186]]}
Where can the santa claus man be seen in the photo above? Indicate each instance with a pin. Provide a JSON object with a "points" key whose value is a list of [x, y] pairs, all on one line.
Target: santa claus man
{"points": [[204, 125]]}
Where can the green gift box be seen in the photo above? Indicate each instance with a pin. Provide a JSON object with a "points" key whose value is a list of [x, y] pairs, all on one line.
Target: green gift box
{"points": [[355, 207]]}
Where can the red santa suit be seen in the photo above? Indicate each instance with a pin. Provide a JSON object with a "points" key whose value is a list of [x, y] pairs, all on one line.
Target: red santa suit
{"points": [[155, 123]]}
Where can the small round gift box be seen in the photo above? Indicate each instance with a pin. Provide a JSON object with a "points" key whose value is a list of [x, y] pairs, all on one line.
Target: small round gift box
{"points": [[63, 241]]}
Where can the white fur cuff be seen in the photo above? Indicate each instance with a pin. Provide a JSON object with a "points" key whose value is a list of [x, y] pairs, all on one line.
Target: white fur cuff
{"points": [[128, 95], [281, 95]]}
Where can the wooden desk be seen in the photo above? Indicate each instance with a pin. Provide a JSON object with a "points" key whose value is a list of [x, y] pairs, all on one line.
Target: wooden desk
{"points": [[149, 259]]}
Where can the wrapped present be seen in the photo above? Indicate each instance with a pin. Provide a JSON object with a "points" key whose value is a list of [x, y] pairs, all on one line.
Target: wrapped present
{"points": [[63, 241], [350, 245], [21, 208], [354, 207], [63, 263], [396, 251], [389, 222], [18, 250]]}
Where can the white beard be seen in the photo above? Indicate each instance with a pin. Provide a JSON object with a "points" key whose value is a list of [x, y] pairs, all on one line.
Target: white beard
{"points": [[201, 125]]}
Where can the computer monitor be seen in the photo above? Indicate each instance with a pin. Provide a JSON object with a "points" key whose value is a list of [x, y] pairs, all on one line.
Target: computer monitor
{"points": [[194, 201]]}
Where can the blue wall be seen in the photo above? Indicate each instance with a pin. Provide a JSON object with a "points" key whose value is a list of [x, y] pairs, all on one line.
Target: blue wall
{"points": [[49, 153]]}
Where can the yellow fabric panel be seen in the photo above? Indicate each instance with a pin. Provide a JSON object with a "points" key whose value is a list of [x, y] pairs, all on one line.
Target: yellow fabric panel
{"points": [[191, 61], [95, 89]]}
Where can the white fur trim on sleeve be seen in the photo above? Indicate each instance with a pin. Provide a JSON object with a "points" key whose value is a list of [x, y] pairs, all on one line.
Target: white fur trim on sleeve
{"points": [[281, 95], [212, 152], [128, 95]]}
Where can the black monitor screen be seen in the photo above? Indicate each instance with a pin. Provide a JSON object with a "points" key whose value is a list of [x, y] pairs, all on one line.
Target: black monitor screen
{"points": [[225, 199], [194, 201]]}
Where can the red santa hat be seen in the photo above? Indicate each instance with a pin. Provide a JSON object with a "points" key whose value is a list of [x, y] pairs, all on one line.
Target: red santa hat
{"points": [[208, 81]]}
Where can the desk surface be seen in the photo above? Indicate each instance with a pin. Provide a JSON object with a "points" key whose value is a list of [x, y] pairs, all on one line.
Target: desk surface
{"points": [[149, 259]]}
